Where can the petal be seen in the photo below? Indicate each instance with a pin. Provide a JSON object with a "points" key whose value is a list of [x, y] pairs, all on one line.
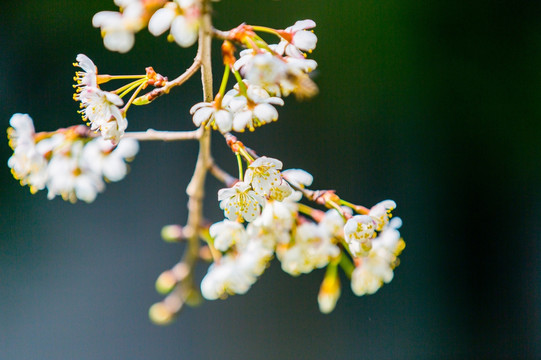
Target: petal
{"points": [[305, 40], [223, 120], [202, 115], [184, 32], [161, 21], [121, 41], [22, 123], [85, 63], [241, 120], [303, 24], [198, 106], [266, 113]]}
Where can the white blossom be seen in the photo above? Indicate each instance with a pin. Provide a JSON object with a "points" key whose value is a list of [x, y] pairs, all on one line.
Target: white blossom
{"points": [[182, 17], [118, 28], [298, 177], [66, 162], [253, 110], [297, 39], [277, 219], [206, 113], [104, 158], [100, 108], [227, 233], [240, 202], [311, 249], [67, 178], [264, 174], [359, 232], [264, 69], [27, 163], [333, 223], [87, 77], [279, 76], [376, 267], [381, 213], [236, 272]]}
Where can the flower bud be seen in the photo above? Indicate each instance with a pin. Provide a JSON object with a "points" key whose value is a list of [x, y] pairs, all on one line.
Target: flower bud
{"points": [[329, 291], [160, 314], [172, 233], [166, 282]]}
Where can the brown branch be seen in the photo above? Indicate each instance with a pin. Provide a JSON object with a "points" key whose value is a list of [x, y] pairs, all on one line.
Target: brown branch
{"points": [[222, 175], [196, 187], [152, 134], [152, 95]]}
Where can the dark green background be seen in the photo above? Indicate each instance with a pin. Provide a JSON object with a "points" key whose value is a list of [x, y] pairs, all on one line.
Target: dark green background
{"points": [[435, 104]]}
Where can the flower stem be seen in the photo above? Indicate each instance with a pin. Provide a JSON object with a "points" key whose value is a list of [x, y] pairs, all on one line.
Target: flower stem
{"points": [[223, 85], [266, 29], [242, 85], [239, 161], [346, 265]]}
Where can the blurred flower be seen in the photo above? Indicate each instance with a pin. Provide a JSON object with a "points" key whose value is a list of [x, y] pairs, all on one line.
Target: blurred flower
{"points": [[359, 231], [236, 272], [206, 113], [311, 248], [251, 110], [381, 213], [296, 39], [182, 17], [227, 233], [376, 267], [68, 162]]}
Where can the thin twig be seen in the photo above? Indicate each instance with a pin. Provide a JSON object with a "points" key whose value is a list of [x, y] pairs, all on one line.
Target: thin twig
{"points": [[221, 174], [152, 134], [152, 95], [219, 34]]}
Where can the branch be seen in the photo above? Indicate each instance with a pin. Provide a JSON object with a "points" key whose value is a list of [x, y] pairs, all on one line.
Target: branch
{"points": [[152, 95], [222, 175], [152, 134], [196, 187]]}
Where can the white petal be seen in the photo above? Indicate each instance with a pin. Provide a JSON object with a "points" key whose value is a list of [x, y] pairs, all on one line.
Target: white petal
{"points": [[266, 113], [104, 18], [183, 31], [22, 123], [202, 115], [305, 40], [114, 169], [298, 176], [223, 120], [198, 106], [303, 24], [241, 120], [161, 21], [121, 41]]}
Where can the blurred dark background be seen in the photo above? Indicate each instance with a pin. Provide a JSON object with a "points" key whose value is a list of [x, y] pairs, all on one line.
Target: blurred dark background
{"points": [[435, 104]]}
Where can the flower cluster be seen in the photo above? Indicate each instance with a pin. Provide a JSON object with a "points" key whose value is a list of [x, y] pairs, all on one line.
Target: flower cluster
{"points": [[264, 73], [182, 17], [366, 245], [68, 162], [264, 217]]}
